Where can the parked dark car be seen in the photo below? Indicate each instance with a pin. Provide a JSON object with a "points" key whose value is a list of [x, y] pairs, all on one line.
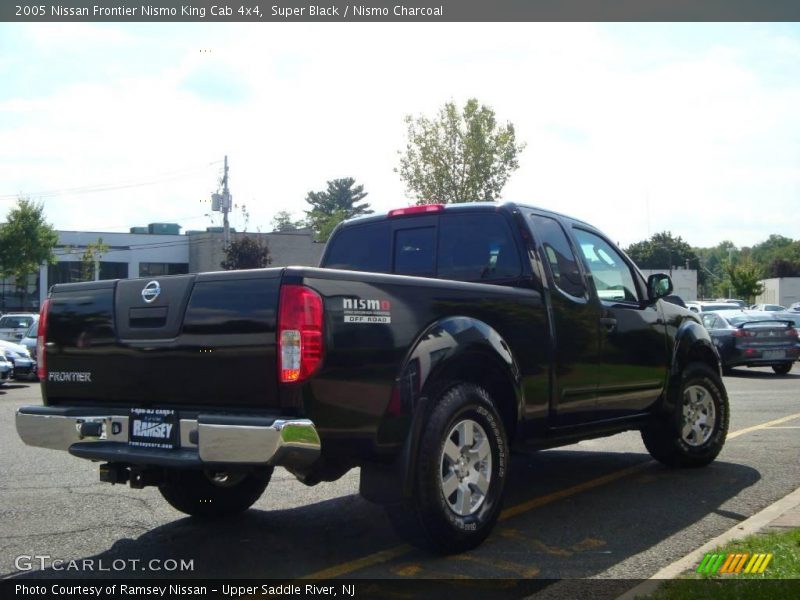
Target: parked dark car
{"points": [[753, 339]]}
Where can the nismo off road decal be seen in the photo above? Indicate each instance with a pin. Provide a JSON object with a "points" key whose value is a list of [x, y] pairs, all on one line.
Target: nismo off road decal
{"points": [[366, 310]]}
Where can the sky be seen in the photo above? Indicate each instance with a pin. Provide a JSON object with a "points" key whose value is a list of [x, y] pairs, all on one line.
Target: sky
{"points": [[634, 128]]}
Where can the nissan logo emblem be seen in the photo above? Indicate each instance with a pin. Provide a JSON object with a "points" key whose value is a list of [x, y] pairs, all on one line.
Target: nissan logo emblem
{"points": [[151, 291]]}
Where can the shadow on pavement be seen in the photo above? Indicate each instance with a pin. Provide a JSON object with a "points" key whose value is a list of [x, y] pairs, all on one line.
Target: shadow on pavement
{"points": [[569, 535]]}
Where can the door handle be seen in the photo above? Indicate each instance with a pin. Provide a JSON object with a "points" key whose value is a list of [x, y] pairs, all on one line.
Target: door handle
{"points": [[609, 323]]}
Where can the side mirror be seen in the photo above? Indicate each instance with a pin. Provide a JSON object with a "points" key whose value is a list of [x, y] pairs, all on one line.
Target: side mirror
{"points": [[658, 286]]}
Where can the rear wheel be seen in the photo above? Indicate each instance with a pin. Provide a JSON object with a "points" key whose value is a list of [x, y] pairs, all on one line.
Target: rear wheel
{"points": [[782, 369], [213, 494], [694, 434], [460, 477]]}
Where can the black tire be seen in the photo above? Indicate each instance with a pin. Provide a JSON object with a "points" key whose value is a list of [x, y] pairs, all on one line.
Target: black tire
{"points": [[462, 520], [694, 434], [210, 495], [782, 369]]}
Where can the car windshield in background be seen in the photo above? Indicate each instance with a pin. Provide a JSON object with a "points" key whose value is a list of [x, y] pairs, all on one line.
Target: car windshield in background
{"points": [[15, 322], [720, 306]]}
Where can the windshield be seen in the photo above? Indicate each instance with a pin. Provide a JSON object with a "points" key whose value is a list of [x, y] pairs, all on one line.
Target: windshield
{"points": [[32, 330], [14, 322]]}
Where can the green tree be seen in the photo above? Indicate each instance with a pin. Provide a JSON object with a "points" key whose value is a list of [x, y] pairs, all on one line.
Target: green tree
{"points": [[745, 279], [26, 241], [458, 156], [662, 251], [338, 202], [248, 252], [90, 260], [283, 221], [782, 268]]}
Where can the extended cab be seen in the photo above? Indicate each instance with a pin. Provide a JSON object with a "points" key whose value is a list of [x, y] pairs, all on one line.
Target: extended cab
{"points": [[431, 343]]}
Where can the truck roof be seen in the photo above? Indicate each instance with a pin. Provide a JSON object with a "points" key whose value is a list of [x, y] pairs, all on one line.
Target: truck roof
{"points": [[469, 206]]}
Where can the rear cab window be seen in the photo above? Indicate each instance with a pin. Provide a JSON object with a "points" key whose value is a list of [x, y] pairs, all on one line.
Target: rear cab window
{"points": [[465, 246]]}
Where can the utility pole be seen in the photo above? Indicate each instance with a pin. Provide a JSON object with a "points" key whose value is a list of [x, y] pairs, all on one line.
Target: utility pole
{"points": [[222, 203], [226, 206]]}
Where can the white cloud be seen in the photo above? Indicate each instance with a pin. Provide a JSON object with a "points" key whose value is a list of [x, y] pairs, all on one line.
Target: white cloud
{"points": [[690, 143]]}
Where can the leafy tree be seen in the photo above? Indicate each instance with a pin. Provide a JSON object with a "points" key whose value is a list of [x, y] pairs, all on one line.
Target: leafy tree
{"points": [[744, 278], [246, 252], [458, 156], [783, 268], [282, 221], [775, 247], [338, 202], [26, 241], [90, 260], [662, 251]]}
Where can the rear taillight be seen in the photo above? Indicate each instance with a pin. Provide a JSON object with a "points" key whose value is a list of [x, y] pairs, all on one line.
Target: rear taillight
{"points": [[299, 333], [41, 340], [741, 333], [791, 332]]}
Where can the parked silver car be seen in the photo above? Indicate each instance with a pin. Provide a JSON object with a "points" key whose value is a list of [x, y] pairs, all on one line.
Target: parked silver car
{"points": [[14, 325], [21, 360], [29, 341], [6, 368]]}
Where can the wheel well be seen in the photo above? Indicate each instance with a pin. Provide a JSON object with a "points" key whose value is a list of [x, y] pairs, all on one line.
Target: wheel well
{"points": [[703, 354], [483, 371]]}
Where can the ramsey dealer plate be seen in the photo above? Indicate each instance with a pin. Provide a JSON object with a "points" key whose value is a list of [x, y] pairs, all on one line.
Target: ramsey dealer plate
{"points": [[773, 354], [153, 428]]}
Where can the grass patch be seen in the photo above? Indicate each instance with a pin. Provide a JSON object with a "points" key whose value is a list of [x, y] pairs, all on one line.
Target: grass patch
{"points": [[781, 578]]}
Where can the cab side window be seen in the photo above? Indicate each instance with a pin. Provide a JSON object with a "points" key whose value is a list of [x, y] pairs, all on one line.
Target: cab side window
{"points": [[612, 275], [477, 247], [709, 321], [558, 254]]}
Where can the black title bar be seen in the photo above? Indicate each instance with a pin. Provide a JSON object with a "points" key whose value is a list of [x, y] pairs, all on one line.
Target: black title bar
{"points": [[141, 11]]}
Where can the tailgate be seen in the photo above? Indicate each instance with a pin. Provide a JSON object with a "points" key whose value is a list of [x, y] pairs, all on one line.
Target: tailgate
{"points": [[202, 341]]}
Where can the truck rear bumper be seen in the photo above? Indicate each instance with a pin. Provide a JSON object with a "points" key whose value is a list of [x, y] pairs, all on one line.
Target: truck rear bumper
{"points": [[207, 440]]}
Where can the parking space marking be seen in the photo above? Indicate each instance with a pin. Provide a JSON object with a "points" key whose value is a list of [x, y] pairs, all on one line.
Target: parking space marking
{"points": [[360, 563], [524, 571], [387, 555], [736, 434]]}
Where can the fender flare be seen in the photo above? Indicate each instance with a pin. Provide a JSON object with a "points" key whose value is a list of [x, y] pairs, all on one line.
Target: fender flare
{"points": [[692, 344], [451, 350]]}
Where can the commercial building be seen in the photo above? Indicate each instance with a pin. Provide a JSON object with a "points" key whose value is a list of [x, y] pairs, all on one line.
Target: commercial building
{"points": [[780, 290], [153, 251]]}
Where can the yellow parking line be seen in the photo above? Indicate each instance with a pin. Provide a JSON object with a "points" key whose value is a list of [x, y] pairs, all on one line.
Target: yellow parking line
{"points": [[387, 555], [360, 563], [570, 491], [736, 434]]}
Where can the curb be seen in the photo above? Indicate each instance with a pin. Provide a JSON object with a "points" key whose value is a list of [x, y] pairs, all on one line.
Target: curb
{"points": [[747, 527]]}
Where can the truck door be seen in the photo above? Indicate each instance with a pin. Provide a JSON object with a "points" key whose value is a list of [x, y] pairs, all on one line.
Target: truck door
{"points": [[633, 348], [574, 319]]}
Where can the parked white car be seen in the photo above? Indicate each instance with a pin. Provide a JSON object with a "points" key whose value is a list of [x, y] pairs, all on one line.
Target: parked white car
{"points": [[14, 325], [21, 360]]}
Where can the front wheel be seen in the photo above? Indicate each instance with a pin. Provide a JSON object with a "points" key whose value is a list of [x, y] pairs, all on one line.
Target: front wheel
{"points": [[213, 494], [461, 471], [694, 434], [782, 369]]}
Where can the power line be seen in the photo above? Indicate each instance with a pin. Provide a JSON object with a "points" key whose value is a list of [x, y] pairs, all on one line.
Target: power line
{"points": [[106, 187]]}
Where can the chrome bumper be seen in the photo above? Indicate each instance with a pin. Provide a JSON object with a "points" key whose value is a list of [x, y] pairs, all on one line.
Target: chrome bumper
{"points": [[292, 443]]}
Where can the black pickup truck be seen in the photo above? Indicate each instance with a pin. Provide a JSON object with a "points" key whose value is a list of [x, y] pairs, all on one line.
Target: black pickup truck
{"points": [[431, 342]]}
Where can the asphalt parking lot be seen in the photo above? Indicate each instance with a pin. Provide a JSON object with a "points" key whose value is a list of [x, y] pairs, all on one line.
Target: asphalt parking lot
{"points": [[597, 509]]}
